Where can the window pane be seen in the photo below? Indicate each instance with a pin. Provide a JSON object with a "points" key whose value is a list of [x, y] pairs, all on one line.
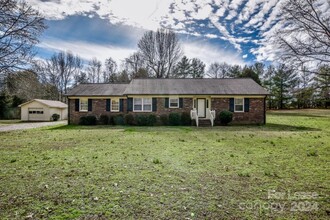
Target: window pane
{"points": [[84, 104], [114, 105], [137, 107], [238, 107], [137, 104], [238, 101], [137, 101], [174, 102], [147, 107], [147, 101]]}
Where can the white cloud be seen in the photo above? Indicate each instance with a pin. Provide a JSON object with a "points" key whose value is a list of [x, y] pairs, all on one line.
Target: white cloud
{"points": [[212, 36], [203, 12], [178, 15], [117, 11], [87, 51], [209, 53], [244, 56]]}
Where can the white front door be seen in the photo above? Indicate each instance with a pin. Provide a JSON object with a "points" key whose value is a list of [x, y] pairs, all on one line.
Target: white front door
{"points": [[201, 110]]}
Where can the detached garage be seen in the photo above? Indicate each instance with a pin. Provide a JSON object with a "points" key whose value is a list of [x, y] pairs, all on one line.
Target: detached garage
{"points": [[42, 110]]}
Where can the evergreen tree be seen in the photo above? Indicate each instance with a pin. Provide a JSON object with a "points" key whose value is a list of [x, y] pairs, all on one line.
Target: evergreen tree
{"points": [[268, 83], [183, 68], [285, 80], [305, 90], [323, 85], [235, 71], [197, 68], [248, 72]]}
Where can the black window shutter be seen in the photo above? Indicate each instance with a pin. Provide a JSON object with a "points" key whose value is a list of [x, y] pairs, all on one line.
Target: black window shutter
{"points": [[90, 108], [246, 105], [76, 105], [180, 102], [154, 104], [167, 102], [108, 105], [231, 104], [129, 104], [207, 103], [121, 105]]}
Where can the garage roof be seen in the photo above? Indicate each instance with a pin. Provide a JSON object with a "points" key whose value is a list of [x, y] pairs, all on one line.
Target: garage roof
{"points": [[49, 103]]}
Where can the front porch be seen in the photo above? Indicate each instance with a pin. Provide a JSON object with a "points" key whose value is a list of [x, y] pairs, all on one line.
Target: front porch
{"points": [[201, 112]]}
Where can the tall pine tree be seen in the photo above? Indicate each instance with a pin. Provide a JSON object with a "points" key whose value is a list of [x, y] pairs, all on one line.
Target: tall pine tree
{"points": [[197, 68], [183, 68], [285, 80]]}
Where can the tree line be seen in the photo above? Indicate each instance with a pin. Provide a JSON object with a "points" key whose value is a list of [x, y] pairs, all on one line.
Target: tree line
{"points": [[293, 81]]}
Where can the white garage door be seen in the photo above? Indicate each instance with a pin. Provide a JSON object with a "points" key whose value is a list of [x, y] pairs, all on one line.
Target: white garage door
{"points": [[36, 114]]}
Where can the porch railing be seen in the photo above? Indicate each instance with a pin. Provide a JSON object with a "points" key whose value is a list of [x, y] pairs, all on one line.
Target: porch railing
{"points": [[211, 116], [194, 116]]}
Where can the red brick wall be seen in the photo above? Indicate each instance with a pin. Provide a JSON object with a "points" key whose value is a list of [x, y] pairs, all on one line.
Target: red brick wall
{"points": [[98, 109], [187, 106], [254, 116]]}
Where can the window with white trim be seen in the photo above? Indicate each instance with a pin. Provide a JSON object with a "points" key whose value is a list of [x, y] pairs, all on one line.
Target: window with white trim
{"points": [[174, 103], [114, 105], [142, 104], [83, 105], [239, 105]]}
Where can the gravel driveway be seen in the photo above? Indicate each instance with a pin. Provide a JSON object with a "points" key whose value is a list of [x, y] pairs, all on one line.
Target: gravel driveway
{"points": [[27, 125]]}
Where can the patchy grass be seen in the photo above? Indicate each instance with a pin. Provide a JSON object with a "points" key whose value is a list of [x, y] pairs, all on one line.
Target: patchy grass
{"points": [[77, 172]]}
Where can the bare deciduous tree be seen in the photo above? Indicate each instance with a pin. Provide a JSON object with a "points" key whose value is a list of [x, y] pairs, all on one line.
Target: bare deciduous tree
{"points": [[161, 50], [59, 70], [135, 65], [26, 85], [305, 33], [110, 72], [94, 71], [219, 70], [20, 27]]}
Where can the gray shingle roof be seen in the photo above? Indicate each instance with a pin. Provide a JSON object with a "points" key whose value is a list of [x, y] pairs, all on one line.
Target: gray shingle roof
{"points": [[98, 90], [240, 86]]}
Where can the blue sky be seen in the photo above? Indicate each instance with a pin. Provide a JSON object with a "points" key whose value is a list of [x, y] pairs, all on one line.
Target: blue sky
{"points": [[232, 31]]}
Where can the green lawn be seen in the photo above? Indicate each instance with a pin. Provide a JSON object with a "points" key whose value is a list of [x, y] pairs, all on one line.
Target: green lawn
{"points": [[75, 172]]}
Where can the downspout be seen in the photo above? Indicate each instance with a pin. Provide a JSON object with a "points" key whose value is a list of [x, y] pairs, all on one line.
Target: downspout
{"points": [[69, 112], [265, 110], [127, 104]]}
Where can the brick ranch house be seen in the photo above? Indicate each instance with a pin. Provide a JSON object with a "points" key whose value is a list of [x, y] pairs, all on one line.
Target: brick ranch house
{"points": [[203, 99]]}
